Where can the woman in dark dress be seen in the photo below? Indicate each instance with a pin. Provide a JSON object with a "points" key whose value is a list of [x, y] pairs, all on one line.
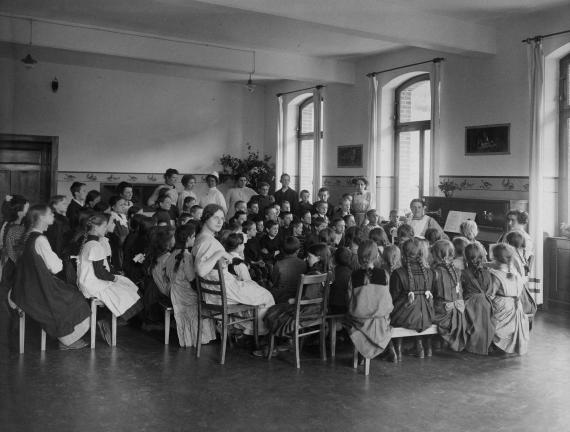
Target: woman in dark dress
{"points": [[59, 307], [59, 233]]}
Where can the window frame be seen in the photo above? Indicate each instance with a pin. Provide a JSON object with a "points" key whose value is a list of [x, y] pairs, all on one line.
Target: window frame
{"points": [[306, 136], [564, 137], [421, 126]]}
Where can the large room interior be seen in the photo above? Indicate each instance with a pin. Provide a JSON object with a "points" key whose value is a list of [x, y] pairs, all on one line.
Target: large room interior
{"points": [[123, 90]]}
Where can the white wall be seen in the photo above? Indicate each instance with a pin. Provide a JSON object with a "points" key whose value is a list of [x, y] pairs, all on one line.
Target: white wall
{"points": [[117, 121]]}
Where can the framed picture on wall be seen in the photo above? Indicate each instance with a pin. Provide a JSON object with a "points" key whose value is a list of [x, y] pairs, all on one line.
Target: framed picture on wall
{"points": [[487, 139], [349, 156]]}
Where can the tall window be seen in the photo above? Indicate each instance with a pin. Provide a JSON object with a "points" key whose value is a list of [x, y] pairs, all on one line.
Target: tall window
{"points": [[412, 139], [565, 102], [306, 144]]}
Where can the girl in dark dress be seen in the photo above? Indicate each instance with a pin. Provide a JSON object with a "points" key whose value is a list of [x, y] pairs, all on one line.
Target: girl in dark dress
{"points": [[448, 299], [59, 233], [60, 308], [410, 287], [135, 248], [477, 291], [280, 319]]}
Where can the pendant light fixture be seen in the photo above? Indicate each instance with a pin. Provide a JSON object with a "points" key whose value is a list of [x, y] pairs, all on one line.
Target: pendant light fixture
{"points": [[29, 61], [250, 86]]}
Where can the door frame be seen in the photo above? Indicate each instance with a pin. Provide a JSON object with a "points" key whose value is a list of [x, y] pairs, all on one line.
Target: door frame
{"points": [[51, 141]]}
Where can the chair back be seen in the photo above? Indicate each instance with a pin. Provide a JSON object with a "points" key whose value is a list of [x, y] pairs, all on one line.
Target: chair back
{"points": [[213, 287], [313, 290]]}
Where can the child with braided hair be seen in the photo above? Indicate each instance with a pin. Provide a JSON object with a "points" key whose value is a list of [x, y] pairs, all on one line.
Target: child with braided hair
{"points": [[391, 258], [370, 305], [180, 272], [118, 293], [447, 296], [410, 287], [511, 323], [476, 283], [522, 264]]}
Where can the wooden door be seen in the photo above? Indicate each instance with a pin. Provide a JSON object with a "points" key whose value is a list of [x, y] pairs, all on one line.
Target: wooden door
{"points": [[28, 166]]}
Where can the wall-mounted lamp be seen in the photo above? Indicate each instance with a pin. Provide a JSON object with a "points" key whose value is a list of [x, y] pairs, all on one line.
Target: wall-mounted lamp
{"points": [[54, 85], [250, 86]]}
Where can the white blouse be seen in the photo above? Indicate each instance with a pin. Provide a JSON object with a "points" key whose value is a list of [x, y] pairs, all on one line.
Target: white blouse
{"points": [[44, 250]]}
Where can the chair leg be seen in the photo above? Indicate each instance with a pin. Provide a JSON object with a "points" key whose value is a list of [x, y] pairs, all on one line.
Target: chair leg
{"points": [[256, 328], [323, 340], [399, 349], [198, 336], [297, 353], [166, 326], [113, 330], [224, 343], [271, 345], [22, 331], [93, 323], [355, 358], [333, 337], [43, 343], [366, 366]]}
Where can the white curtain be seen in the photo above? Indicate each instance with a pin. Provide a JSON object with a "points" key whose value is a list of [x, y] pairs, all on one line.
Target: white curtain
{"points": [[435, 83], [371, 161], [319, 142], [536, 81], [280, 143]]}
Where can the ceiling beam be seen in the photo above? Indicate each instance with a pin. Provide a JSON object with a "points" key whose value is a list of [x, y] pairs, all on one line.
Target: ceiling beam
{"points": [[381, 20], [172, 51]]}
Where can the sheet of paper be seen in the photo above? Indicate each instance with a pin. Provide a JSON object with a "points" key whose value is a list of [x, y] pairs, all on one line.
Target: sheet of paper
{"points": [[455, 219]]}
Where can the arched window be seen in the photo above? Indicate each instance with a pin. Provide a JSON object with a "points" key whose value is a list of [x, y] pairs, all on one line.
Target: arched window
{"points": [[306, 144], [412, 125]]}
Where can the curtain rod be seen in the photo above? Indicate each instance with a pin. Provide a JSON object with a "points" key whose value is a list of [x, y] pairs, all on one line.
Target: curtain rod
{"points": [[433, 60], [540, 37], [318, 87]]}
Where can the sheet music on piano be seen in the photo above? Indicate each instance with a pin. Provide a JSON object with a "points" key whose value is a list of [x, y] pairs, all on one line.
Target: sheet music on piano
{"points": [[455, 219]]}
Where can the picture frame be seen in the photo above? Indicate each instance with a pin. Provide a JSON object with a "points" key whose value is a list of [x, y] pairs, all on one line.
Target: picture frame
{"points": [[487, 140], [350, 156]]}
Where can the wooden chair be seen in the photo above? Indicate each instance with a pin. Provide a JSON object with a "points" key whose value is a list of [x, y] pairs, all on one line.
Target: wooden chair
{"points": [[168, 311], [221, 311], [98, 303], [334, 320], [307, 327], [22, 331]]}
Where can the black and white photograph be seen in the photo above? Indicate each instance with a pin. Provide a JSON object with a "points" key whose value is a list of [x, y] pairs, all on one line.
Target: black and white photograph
{"points": [[284, 215]]}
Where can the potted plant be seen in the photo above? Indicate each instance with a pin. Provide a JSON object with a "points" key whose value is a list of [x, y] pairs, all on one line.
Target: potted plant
{"points": [[254, 168], [448, 187]]}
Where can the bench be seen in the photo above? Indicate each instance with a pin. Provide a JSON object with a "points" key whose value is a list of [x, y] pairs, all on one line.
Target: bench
{"points": [[22, 331]]}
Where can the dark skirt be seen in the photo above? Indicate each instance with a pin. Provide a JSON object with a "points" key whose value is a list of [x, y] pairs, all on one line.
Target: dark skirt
{"points": [[280, 318]]}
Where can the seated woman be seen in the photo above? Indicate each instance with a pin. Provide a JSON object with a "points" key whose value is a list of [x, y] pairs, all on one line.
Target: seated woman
{"points": [[280, 319], [118, 293], [420, 222], [410, 287], [180, 272], [511, 323], [448, 301], [208, 250], [477, 289], [370, 306], [60, 309], [164, 215]]}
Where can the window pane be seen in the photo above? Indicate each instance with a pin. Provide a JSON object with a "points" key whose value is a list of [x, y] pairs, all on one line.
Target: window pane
{"points": [[408, 168], [427, 161], [415, 102], [306, 164], [568, 84], [307, 119]]}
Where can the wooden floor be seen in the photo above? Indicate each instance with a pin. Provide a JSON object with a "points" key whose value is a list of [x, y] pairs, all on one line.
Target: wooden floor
{"points": [[141, 385]]}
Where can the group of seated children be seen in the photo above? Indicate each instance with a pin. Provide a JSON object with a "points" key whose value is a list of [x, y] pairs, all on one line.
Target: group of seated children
{"points": [[55, 257]]}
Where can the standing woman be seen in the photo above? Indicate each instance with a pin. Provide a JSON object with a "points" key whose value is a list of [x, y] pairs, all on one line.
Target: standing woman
{"points": [[59, 308], [170, 179], [213, 196], [421, 222], [207, 250], [360, 200]]}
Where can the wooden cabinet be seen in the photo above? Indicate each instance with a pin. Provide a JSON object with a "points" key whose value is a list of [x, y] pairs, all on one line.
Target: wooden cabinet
{"points": [[557, 272]]}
